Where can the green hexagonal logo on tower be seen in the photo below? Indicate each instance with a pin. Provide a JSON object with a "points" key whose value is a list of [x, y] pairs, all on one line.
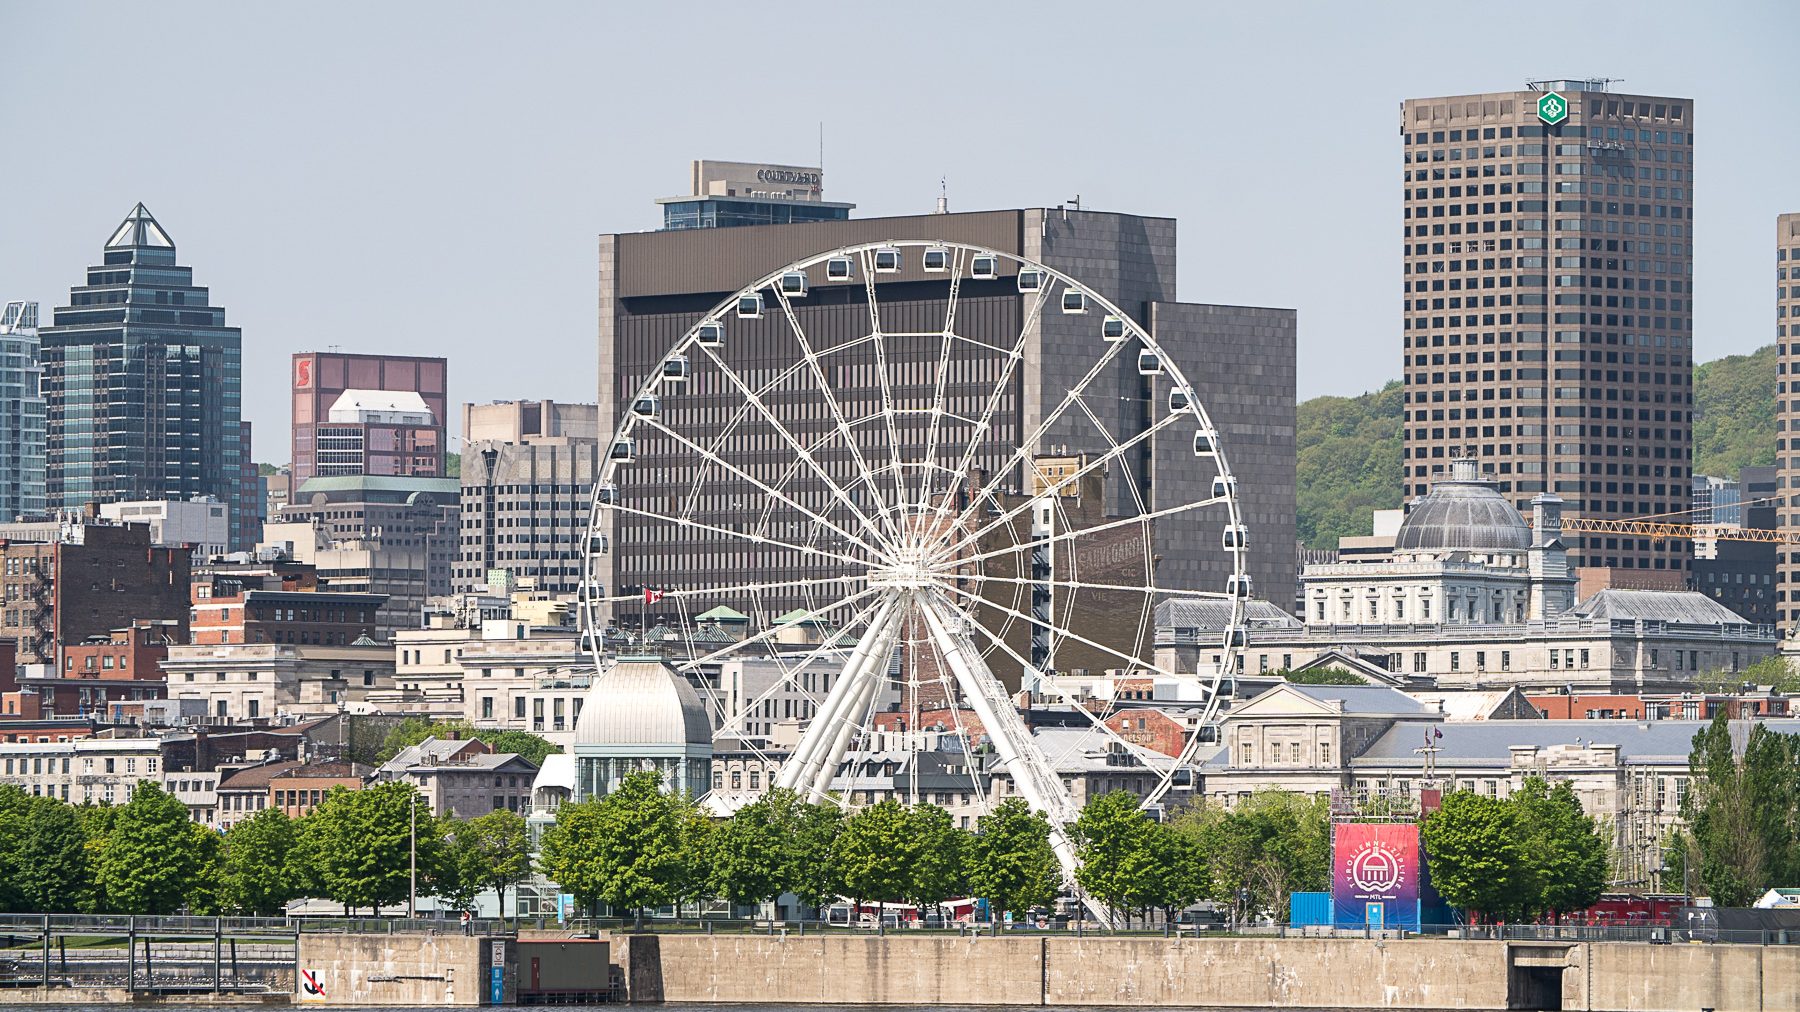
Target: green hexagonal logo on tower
{"points": [[1552, 108]]}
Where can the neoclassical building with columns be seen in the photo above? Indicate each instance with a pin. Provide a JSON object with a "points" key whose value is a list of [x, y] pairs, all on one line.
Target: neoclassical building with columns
{"points": [[1473, 596]]}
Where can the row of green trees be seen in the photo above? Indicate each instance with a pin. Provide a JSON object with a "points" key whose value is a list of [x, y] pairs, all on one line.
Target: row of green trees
{"points": [[640, 848], [1530, 855], [147, 857]]}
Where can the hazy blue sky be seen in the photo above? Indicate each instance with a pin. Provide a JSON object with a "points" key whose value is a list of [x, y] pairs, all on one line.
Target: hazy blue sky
{"points": [[428, 178]]}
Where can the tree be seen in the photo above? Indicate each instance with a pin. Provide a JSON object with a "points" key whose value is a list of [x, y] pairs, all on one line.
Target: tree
{"points": [[359, 844], [44, 865], [503, 847], [458, 878], [96, 826], [1473, 850], [54, 874], [569, 852], [872, 854], [260, 866], [1010, 861], [1564, 856], [934, 851], [526, 745], [749, 852], [152, 858], [1167, 873], [1741, 811], [1257, 854], [414, 730], [811, 870], [1112, 837], [624, 850], [698, 832], [206, 886], [1323, 676]]}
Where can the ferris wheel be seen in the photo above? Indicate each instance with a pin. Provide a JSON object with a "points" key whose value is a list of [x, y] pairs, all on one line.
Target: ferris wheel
{"points": [[899, 483]]}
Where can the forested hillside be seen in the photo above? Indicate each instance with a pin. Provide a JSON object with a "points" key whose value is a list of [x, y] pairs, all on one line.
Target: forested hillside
{"points": [[1734, 413], [1348, 463], [1349, 447]]}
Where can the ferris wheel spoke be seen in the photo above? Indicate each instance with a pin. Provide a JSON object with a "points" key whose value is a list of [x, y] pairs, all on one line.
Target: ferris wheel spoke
{"points": [[1025, 581], [1061, 483], [939, 407], [887, 389], [776, 629], [804, 454], [977, 602], [1050, 682], [1084, 532], [837, 412], [766, 488], [836, 641], [757, 539], [996, 397], [723, 590]]}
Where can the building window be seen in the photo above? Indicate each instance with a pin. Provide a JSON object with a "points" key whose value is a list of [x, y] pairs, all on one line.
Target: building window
{"points": [[1324, 753], [1455, 660], [1294, 752], [1419, 662], [1506, 660]]}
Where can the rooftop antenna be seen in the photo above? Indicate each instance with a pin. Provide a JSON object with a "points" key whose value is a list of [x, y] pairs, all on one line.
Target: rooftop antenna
{"points": [[821, 147], [943, 204]]}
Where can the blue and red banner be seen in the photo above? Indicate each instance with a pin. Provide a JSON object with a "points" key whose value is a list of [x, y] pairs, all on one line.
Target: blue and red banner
{"points": [[1376, 875]]}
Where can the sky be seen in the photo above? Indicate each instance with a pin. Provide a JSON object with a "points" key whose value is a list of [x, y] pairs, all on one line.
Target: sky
{"points": [[429, 178]]}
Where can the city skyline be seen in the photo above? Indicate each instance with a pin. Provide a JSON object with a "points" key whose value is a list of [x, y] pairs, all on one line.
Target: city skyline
{"points": [[421, 228]]}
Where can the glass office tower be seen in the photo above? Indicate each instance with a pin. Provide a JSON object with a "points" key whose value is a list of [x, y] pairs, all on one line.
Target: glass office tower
{"points": [[21, 413], [142, 382]]}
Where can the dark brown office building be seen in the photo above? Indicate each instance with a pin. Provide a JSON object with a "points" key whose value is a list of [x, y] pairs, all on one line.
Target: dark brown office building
{"points": [[654, 286], [1548, 304]]}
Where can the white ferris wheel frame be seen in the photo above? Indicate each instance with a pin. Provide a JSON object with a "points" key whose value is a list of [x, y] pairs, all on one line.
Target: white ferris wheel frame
{"points": [[901, 574]]}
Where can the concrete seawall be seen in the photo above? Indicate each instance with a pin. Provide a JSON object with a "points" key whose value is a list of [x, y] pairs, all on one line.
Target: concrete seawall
{"points": [[1319, 973]]}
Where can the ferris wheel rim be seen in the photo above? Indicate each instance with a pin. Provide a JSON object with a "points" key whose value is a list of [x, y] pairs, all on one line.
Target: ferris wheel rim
{"points": [[865, 254]]}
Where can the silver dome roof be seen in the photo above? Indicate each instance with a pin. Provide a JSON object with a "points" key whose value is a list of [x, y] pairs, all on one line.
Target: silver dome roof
{"points": [[1463, 512], [642, 702]]}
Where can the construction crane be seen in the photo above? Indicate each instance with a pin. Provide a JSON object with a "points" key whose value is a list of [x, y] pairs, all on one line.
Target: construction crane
{"points": [[1662, 531]]}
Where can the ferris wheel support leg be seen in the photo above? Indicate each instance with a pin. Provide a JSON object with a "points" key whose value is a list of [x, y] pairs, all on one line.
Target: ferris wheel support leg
{"points": [[842, 704], [1019, 755], [839, 740]]}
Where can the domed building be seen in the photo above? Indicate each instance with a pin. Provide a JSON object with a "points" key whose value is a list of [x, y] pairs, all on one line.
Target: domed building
{"points": [[641, 714], [1463, 555]]}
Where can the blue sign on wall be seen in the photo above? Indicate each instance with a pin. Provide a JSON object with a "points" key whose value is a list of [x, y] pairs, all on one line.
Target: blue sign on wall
{"points": [[496, 985]]}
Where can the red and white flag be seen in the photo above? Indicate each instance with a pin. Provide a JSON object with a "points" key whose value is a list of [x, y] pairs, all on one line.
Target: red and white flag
{"points": [[651, 596]]}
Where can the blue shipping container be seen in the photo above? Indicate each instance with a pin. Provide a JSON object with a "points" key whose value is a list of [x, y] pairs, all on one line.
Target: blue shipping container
{"points": [[1309, 908]]}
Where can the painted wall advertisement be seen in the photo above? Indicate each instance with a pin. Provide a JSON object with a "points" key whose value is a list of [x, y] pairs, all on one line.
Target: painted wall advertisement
{"points": [[1376, 875]]}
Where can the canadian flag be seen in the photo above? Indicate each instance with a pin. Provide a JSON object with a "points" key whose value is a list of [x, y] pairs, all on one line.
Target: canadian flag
{"points": [[651, 595]]}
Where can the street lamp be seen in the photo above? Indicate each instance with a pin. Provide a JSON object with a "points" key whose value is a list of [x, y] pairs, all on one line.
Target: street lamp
{"points": [[412, 853]]}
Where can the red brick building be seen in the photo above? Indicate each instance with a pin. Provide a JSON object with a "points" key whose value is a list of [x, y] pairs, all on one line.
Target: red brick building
{"points": [[277, 602], [299, 790], [95, 578], [122, 666]]}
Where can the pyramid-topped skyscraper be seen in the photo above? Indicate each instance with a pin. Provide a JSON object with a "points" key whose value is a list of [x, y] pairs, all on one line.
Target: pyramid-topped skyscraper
{"points": [[142, 381]]}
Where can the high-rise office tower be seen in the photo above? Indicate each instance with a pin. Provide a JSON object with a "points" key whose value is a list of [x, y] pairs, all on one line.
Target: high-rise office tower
{"points": [[655, 285], [142, 381], [528, 471], [21, 413], [368, 414], [1548, 313], [1787, 412]]}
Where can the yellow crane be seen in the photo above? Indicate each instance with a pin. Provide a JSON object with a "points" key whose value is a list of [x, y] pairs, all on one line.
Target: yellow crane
{"points": [[1662, 531]]}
